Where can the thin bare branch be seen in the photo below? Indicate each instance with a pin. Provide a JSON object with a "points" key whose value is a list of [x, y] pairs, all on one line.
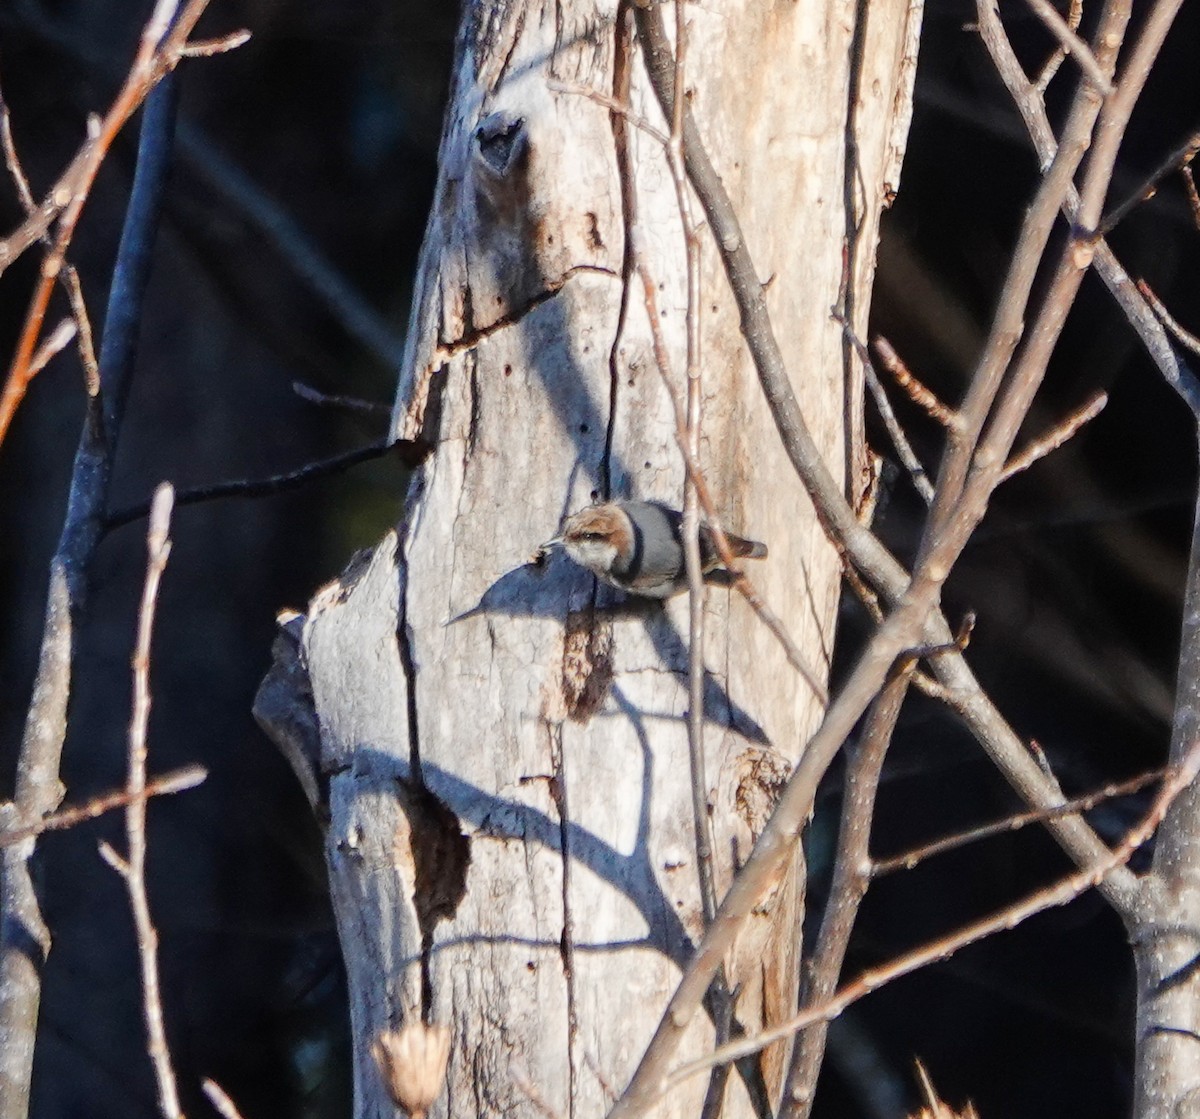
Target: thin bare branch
{"points": [[1058, 894], [206, 48], [922, 397], [68, 276], [851, 877], [907, 860], [1071, 43], [613, 105], [687, 437], [904, 451], [86, 343], [158, 53], [220, 1100], [701, 813], [1052, 64], [174, 782], [411, 453], [1193, 197], [133, 867], [1134, 306], [52, 344], [1177, 160], [1059, 434], [1182, 336], [335, 400]]}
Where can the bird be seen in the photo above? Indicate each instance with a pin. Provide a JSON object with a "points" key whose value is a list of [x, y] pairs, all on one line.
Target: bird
{"points": [[637, 546]]}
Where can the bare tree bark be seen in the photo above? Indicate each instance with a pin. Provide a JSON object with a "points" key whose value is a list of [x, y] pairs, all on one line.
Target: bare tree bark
{"points": [[1164, 929], [501, 745]]}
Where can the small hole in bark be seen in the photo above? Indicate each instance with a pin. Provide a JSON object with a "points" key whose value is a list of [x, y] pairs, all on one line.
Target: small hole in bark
{"points": [[508, 370], [432, 844], [595, 495], [587, 664], [499, 137], [583, 429], [646, 465]]}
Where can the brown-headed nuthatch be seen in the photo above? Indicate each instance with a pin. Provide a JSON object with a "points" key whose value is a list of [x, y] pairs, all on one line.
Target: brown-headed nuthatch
{"points": [[638, 546]]}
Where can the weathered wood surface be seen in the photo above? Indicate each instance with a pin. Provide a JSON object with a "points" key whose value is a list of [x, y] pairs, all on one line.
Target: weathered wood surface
{"points": [[548, 718]]}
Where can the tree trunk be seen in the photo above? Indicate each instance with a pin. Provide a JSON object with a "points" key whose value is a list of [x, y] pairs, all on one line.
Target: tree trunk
{"points": [[1163, 931], [501, 744]]}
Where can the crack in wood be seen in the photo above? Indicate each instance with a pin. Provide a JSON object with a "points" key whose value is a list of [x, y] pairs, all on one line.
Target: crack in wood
{"points": [[566, 945], [445, 351]]}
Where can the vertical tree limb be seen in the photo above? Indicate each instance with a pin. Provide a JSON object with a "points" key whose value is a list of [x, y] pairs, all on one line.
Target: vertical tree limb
{"points": [[24, 939], [132, 868]]}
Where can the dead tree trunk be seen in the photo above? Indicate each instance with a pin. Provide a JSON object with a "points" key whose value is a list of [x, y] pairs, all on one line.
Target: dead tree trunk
{"points": [[501, 745]]}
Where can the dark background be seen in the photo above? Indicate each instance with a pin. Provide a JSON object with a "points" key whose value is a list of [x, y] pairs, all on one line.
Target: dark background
{"points": [[320, 135]]}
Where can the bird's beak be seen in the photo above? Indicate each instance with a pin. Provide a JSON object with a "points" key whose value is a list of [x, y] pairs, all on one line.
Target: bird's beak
{"points": [[543, 550]]}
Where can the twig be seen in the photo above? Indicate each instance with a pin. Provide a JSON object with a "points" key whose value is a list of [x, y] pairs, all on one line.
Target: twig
{"points": [[907, 860], [1177, 160], [206, 48], [922, 397], [1189, 186], [69, 276], [334, 400], [411, 453], [614, 105], [1182, 336], [174, 782], [132, 868], [714, 1098], [158, 53], [220, 1100], [1055, 437], [691, 504], [1058, 894], [1072, 44], [238, 193], [51, 345], [851, 877], [1135, 308], [1050, 68], [904, 450]]}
